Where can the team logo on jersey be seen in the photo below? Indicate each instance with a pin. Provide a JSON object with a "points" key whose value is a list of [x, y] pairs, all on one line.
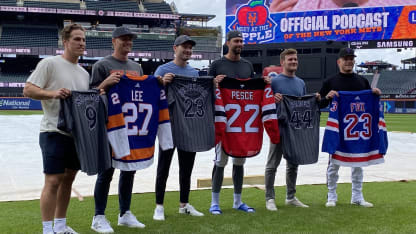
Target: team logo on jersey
{"points": [[82, 99], [357, 98], [254, 22], [89, 102], [194, 96]]}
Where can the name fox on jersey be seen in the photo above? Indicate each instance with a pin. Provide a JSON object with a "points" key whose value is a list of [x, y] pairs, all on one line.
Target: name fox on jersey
{"points": [[357, 107], [241, 95]]}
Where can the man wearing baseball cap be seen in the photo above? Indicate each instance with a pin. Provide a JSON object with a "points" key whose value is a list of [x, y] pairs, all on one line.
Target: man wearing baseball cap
{"points": [[106, 73], [179, 66], [345, 80], [232, 66]]}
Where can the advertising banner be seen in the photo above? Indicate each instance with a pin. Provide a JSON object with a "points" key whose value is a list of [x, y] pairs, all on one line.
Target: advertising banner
{"points": [[19, 104], [261, 21], [44, 10]]}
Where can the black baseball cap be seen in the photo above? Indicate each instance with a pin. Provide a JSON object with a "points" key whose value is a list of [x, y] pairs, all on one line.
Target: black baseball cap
{"points": [[122, 31], [344, 52], [182, 39], [233, 34]]}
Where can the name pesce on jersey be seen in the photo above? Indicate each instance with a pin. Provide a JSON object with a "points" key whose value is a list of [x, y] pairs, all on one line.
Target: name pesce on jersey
{"points": [[242, 95]]}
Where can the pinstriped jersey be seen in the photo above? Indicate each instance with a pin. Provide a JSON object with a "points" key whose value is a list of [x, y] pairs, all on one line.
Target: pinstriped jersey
{"points": [[356, 133], [191, 108], [137, 111], [242, 107], [299, 119], [83, 115]]}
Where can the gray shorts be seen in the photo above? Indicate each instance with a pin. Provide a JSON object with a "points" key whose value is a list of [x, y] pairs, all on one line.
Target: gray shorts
{"points": [[221, 158]]}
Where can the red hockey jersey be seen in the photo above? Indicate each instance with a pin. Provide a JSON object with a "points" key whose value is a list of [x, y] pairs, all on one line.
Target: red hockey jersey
{"points": [[242, 107]]}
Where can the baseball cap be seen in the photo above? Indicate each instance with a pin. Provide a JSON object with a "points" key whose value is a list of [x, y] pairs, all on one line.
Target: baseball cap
{"points": [[121, 31], [344, 52], [233, 34], [182, 39]]}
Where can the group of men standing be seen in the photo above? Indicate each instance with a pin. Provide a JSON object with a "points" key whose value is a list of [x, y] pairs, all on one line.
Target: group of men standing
{"points": [[55, 77]]}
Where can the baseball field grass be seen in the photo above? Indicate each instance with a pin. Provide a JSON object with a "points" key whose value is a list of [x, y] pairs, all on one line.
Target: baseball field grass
{"points": [[21, 112], [393, 212]]}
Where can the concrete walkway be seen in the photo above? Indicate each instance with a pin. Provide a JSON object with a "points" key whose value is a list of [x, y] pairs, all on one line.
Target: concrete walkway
{"points": [[22, 178]]}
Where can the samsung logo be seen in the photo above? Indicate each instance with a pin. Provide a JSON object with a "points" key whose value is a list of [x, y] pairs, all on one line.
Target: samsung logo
{"points": [[395, 44]]}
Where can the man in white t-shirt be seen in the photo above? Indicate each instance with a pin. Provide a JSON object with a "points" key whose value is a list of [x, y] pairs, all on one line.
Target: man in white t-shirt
{"points": [[52, 80]]}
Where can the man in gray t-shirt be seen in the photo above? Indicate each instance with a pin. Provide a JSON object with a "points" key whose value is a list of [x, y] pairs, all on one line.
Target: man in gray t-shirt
{"points": [[106, 73], [286, 83]]}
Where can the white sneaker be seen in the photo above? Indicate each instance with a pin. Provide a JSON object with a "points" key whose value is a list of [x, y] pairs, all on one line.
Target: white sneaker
{"points": [[129, 220], [271, 205], [189, 209], [331, 203], [67, 230], [159, 213], [101, 225], [295, 202], [363, 203]]}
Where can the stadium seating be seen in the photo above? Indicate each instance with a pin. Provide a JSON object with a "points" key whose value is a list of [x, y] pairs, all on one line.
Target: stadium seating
{"points": [[206, 44], [152, 45], [63, 5], [8, 2], [369, 78], [11, 92], [157, 7], [14, 77], [138, 44], [397, 82], [131, 6], [99, 43], [34, 36]]}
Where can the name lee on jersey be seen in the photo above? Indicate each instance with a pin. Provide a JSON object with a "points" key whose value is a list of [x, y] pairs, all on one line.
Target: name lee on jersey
{"points": [[137, 95]]}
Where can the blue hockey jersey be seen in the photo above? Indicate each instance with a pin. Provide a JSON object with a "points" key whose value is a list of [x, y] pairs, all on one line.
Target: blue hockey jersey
{"points": [[356, 134], [137, 111]]}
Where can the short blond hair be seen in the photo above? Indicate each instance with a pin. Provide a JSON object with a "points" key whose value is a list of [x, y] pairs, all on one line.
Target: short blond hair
{"points": [[287, 52], [67, 30]]}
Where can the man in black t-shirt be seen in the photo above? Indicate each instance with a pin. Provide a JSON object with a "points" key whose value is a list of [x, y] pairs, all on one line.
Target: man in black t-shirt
{"points": [[345, 80], [229, 66]]}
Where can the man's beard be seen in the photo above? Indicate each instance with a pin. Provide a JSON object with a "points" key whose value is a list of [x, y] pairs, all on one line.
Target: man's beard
{"points": [[185, 57], [237, 50]]}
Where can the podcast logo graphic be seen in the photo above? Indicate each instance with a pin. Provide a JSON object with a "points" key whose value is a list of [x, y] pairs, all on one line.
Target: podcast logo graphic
{"points": [[254, 22]]}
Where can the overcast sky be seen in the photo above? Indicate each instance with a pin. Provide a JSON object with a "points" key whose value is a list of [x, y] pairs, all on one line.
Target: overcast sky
{"points": [[217, 7]]}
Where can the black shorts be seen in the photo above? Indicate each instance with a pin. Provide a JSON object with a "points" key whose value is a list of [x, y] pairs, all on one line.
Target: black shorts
{"points": [[58, 152]]}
